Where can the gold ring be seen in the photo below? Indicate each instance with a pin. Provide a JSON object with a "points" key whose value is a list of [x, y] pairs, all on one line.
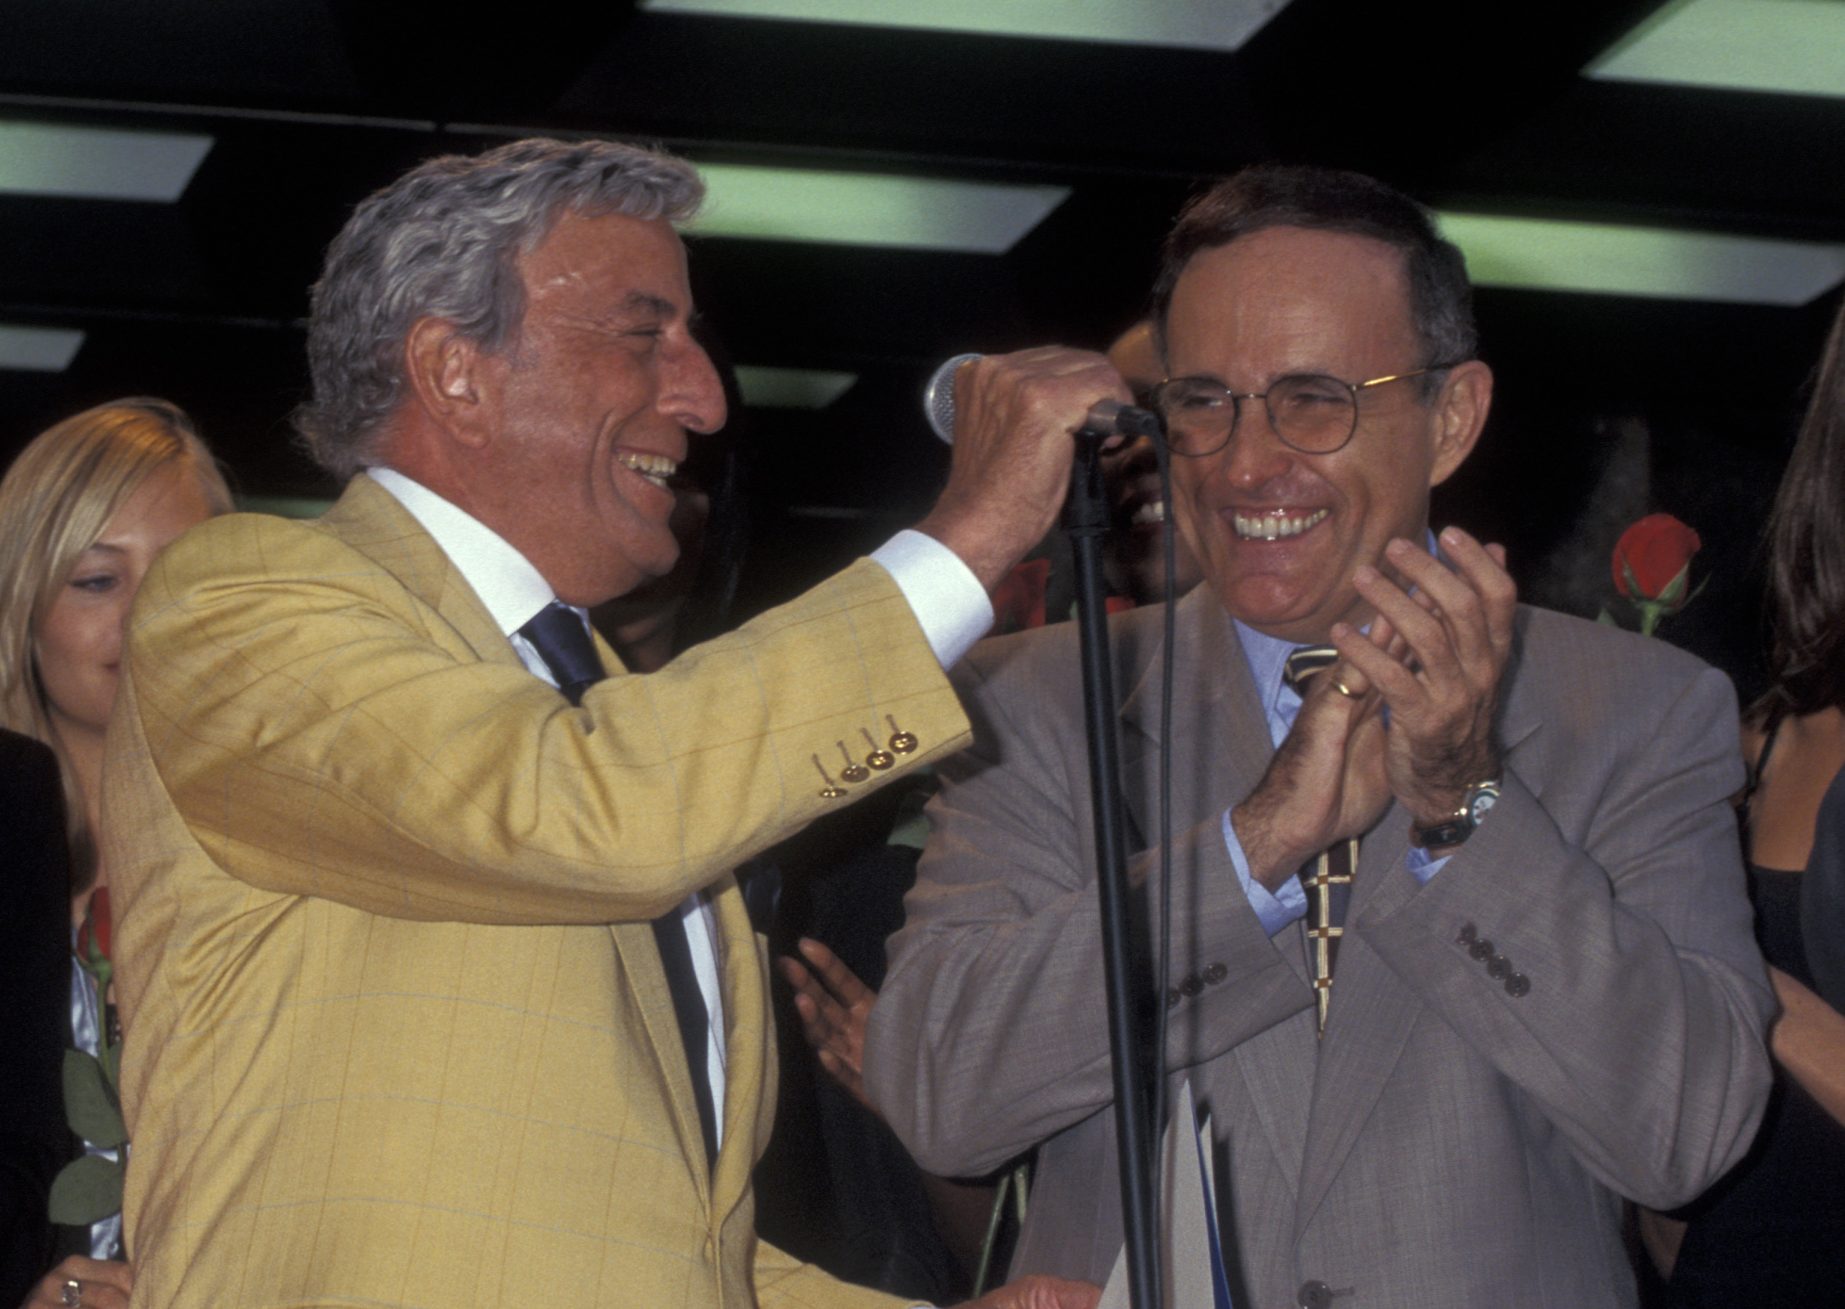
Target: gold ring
{"points": [[1344, 690]]}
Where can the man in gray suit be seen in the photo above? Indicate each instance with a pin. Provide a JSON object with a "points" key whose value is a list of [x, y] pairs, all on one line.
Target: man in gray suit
{"points": [[1535, 1012]]}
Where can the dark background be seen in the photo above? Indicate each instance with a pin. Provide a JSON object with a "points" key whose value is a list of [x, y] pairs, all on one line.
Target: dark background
{"points": [[1608, 406]]}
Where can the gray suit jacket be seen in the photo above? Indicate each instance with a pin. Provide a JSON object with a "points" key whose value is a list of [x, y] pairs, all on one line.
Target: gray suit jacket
{"points": [[1452, 1140]]}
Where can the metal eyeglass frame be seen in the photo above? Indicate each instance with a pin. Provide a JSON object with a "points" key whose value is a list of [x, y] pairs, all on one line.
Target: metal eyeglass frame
{"points": [[1237, 398]]}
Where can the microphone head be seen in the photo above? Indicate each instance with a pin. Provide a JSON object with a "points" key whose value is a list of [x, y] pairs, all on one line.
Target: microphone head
{"points": [[939, 397]]}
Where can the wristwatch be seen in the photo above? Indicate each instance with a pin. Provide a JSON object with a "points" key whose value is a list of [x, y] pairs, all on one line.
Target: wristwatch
{"points": [[1476, 802]]}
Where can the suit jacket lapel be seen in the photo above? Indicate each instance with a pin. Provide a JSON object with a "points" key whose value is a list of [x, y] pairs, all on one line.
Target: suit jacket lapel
{"points": [[1372, 1013], [1220, 749], [748, 1042], [640, 954], [370, 519], [1220, 741], [640, 964]]}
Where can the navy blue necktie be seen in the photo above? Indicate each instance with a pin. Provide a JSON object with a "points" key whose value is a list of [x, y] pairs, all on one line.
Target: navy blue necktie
{"points": [[558, 635]]}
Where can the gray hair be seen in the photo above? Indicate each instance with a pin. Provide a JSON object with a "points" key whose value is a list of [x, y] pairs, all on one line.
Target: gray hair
{"points": [[441, 242]]}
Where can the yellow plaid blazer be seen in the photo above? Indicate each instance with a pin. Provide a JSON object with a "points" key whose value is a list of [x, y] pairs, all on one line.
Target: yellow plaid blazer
{"points": [[397, 1030]]}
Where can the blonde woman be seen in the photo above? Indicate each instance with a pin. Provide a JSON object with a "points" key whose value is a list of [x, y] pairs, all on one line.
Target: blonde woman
{"points": [[83, 511]]}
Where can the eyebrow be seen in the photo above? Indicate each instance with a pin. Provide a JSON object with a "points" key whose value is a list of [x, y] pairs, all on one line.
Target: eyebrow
{"points": [[108, 547], [640, 302]]}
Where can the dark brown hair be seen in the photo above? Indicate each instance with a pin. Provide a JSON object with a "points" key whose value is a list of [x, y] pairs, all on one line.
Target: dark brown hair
{"points": [[1332, 200], [1806, 554]]}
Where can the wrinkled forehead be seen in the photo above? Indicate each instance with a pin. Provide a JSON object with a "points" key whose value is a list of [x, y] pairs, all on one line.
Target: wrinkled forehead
{"points": [[611, 259], [1323, 299]]}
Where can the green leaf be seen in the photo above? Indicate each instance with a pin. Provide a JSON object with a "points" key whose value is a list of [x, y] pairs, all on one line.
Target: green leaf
{"points": [[90, 1104], [86, 1190], [1673, 596], [1605, 618]]}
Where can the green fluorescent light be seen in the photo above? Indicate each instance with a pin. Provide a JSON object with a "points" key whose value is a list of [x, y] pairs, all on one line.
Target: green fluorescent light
{"points": [[791, 388], [914, 213], [1204, 24], [98, 163], [1543, 255], [1791, 46], [38, 349]]}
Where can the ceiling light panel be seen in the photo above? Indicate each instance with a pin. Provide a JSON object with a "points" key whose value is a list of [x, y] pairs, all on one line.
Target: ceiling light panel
{"points": [[791, 388], [1795, 47], [914, 213], [38, 349], [1201, 24], [98, 163], [1539, 254]]}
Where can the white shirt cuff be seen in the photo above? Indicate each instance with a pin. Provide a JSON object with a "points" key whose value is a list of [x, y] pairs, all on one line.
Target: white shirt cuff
{"points": [[943, 592], [1274, 909]]}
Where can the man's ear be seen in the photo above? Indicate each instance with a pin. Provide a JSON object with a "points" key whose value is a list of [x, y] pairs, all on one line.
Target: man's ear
{"points": [[1460, 413], [451, 379]]}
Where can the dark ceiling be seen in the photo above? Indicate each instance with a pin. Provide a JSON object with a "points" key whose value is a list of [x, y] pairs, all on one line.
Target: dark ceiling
{"points": [[313, 103]]}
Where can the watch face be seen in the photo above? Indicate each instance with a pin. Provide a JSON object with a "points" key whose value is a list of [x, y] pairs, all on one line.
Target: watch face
{"points": [[1481, 803]]}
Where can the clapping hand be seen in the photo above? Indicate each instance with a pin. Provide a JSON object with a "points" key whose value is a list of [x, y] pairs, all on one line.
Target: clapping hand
{"points": [[1457, 625]]}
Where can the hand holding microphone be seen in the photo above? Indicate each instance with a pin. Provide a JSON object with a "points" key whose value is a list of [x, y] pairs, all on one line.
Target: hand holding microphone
{"points": [[1012, 418], [1109, 417]]}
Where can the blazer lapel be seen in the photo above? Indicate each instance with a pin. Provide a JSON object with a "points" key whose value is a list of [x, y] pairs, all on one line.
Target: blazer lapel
{"points": [[1220, 748], [640, 963], [1370, 1019], [748, 1043], [1220, 742], [369, 518], [1372, 1013]]}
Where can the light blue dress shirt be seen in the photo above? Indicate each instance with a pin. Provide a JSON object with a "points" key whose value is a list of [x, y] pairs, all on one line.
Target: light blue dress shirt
{"points": [[1267, 657]]}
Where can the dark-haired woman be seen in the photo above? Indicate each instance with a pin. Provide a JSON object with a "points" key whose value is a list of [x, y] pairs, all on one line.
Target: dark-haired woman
{"points": [[1773, 1231]]}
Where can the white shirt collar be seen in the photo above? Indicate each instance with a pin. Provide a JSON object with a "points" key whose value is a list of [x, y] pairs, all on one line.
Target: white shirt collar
{"points": [[505, 580]]}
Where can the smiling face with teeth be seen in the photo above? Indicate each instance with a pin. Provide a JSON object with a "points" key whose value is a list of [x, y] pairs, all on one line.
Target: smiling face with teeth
{"points": [[1279, 533], [590, 405]]}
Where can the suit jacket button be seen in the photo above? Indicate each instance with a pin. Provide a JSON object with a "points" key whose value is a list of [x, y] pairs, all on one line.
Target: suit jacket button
{"points": [[1215, 974], [1468, 933], [1172, 997], [1517, 984], [1314, 1295], [1191, 985], [1499, 967], [1481, 949]]}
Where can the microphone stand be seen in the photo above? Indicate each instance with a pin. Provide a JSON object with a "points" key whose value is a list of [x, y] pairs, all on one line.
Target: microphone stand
{"points": [[1136, 1075]]}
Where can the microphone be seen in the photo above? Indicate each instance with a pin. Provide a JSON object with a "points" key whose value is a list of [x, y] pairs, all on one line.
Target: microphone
{"points": [[1106, 417]]}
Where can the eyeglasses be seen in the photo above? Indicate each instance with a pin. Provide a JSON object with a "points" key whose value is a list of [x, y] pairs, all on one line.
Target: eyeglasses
{"points": [[1310, 412]]}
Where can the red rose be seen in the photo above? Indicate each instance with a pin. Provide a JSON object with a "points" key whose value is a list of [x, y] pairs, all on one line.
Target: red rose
{"points": [[95, 938], [1652, 561], [1018, 600]]}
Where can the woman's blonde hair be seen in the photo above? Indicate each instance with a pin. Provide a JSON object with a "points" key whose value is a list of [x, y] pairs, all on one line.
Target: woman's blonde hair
{"points": [[55, 501]]}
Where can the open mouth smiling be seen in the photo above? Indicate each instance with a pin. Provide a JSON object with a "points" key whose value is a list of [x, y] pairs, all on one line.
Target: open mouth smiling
{"points": [[657, 469], [1275, 525]]}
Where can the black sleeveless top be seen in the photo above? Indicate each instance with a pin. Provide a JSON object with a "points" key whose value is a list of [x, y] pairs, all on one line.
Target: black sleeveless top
{"points": [[1772, 1232]]}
